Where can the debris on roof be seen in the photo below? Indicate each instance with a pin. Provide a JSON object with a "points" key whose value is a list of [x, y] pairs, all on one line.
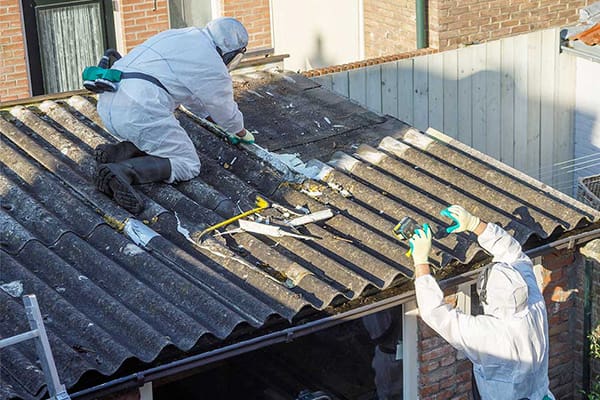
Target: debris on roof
{"points": [[114, 287]]}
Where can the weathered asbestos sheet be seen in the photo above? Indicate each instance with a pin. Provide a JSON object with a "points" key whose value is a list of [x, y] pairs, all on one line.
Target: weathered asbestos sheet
{"points": [[113, 287]]}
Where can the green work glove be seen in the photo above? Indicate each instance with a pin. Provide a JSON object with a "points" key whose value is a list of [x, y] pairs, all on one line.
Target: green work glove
{"points": [[248, 138], [420, 245], [464, 220]]}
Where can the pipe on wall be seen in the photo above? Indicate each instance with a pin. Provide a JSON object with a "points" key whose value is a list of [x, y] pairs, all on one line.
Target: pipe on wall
{"points": [[421, 16]]}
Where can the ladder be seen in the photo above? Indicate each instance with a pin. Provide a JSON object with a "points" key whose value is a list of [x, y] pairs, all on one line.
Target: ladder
{"points": [[38, 333]]}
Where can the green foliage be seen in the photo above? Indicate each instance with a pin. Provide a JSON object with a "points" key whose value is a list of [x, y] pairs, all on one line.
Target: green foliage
{"points": [[594, 338]]}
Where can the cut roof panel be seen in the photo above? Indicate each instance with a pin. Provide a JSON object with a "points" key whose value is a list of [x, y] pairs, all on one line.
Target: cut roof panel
{"points": [[115, 288]]}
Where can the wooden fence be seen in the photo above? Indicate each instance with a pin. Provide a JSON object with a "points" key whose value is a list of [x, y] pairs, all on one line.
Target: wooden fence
{"points": [[512, 99]]}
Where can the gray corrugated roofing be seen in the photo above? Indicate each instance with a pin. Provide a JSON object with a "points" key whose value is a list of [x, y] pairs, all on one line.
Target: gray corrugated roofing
{"points": [[106, 300]]}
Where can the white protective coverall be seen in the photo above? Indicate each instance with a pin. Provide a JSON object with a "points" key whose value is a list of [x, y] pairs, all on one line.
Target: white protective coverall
{"points": [[187, 63], [508, 346]]}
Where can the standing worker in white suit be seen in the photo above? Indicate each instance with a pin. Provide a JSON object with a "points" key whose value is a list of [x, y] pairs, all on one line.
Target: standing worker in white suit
{"points": [[187, 67], [508, 345]]}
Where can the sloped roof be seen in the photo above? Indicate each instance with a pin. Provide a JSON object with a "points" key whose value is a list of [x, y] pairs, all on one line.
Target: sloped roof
{"points": [[107, 300]]}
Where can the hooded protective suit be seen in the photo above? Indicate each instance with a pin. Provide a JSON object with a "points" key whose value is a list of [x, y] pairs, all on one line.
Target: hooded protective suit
{"points": [[508, 345], [187, 63]]}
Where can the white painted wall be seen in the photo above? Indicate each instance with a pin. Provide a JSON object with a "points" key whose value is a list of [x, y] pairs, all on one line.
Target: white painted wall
{"points": [[317, 33], [587, 118]]}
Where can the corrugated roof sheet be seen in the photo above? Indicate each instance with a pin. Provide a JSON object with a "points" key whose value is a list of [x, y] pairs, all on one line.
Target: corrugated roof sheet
{"points": [[107, 300]]}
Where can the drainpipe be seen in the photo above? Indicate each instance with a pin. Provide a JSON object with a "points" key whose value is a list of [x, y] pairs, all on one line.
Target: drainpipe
{"points": [[421, 25]]}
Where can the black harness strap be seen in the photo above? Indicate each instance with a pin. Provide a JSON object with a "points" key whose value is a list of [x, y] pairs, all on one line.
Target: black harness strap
{"points": [[146, 77]]}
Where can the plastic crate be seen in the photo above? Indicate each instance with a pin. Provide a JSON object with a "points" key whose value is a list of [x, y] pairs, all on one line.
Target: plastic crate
{"points": [[588, 191]]}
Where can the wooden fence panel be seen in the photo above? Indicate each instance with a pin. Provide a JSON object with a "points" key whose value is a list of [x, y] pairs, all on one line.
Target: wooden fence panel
{"points": [[492, 99], [450, 103], [436, 91], [534, 70], [465, 95], [357, 85], [421, 94], [373, 94], [340, 84], [521, 103], [507, 102], [549, 65], [389, 88], [405, 90], [512, 99]]}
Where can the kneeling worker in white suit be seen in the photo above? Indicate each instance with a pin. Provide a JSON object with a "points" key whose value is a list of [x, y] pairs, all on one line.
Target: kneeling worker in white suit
{"points": [[187, 66], [508, 345]]}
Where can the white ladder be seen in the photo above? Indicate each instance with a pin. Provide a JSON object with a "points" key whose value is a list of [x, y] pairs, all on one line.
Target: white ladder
{"points": [[38, 333]]}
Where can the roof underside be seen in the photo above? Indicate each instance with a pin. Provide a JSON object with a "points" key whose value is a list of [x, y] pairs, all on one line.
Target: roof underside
{"points": [[106, 300]]}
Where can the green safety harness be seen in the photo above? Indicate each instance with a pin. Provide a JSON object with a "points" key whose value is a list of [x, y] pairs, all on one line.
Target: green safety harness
{"points": [[102, 78]]}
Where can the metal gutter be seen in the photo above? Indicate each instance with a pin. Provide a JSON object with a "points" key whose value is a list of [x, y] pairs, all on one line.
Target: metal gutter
{"points": [[286, 335], [587, 52]]}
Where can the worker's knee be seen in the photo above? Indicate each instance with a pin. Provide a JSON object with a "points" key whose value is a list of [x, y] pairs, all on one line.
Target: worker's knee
{"points": [[184, 170]]}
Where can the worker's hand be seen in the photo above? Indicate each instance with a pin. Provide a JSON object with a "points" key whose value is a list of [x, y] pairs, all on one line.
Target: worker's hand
{"points": [[464, 220], [420, 245]]}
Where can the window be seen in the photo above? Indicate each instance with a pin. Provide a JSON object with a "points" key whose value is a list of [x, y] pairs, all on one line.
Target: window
{"points": [[63, 37], [184, 13]]}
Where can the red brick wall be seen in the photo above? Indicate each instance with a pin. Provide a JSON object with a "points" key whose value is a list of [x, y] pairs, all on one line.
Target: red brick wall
{"points": [[256, 17], [389, 27], [455, 22], [140, 20], [14, 82], [564, 300], [443, 375]]}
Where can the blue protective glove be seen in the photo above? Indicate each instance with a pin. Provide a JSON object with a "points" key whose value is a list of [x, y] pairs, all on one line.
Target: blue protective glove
{"points": [[463, 220], [420, 245]]}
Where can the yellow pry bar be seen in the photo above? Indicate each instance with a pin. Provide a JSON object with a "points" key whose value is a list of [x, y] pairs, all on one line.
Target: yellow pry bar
{"points": [[261, 204]]}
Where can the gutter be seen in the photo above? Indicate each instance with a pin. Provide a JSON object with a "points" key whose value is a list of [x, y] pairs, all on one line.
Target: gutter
{"points": [[138, 379]]}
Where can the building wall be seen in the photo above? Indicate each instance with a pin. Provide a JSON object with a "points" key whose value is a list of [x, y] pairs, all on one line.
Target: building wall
{"points": [[389, 27], [256, 17], [14, 81], [458, 22], [445, 374], [140, 19]]}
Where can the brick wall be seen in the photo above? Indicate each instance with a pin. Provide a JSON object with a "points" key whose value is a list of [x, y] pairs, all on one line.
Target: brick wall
{"points": [[140, 19], [256, 17], [389, 27], [14, 82], [444, 374], [456, 22], [563, 277], [595, 278]]}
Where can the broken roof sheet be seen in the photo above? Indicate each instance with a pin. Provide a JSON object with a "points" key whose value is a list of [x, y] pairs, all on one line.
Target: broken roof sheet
{"points": [[112, 288]]}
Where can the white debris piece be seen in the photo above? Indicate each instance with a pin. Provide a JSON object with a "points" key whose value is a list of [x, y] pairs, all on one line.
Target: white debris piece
{"points": [[269, 230], [14, 288], [131, 249], [313, 217], [256, 94], [327, 120]]}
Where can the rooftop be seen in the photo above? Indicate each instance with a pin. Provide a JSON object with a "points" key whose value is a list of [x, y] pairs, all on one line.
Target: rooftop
{"points": [[120, 292]]}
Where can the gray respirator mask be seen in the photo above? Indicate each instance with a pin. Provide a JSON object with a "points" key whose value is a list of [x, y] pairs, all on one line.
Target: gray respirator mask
{"points": [[232, 58]]}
